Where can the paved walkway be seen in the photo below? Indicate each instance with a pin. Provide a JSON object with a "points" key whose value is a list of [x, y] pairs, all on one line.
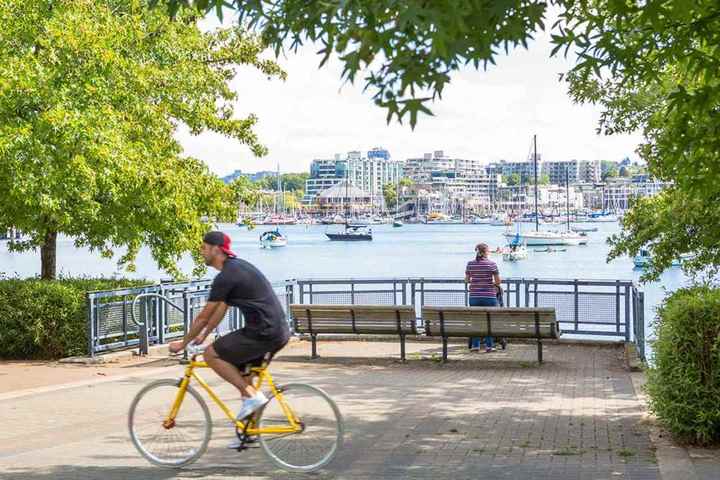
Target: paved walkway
{"points": [[490, 416]]}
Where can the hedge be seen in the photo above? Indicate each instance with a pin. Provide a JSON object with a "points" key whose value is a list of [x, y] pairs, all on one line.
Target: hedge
{"points": [[684, 380], [47, 319]]}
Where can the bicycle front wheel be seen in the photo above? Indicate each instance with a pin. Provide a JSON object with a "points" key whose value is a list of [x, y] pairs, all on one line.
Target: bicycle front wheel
{"points": [[322, 428], [169, 444]]}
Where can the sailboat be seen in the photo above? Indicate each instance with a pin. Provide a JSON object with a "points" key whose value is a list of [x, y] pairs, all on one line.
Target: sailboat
{"points": [[544, 237], [397, 222], [516, 249], [273, 238], [351, 233]]}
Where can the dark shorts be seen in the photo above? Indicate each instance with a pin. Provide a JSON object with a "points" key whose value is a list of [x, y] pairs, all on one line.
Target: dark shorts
{"points": [[244, 351]]}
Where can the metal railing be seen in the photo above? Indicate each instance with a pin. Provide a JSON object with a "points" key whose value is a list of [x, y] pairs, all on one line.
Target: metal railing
{"points": [[140, 317], [597, 308], [612, 309]]}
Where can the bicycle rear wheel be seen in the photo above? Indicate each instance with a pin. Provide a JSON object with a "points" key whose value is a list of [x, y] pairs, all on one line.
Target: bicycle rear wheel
{"points": [[169, 445], [321, 436]]}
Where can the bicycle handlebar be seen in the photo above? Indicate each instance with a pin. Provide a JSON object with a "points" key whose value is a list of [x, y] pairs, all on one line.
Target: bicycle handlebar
{"points": [[193, 349]]}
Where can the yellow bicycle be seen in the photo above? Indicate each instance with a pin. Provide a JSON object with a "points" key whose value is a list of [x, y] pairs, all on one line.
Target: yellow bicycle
{"points": [[300, 428]]}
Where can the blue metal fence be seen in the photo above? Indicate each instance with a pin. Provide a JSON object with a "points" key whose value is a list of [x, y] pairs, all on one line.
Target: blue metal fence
{"points": [[611, 309]]}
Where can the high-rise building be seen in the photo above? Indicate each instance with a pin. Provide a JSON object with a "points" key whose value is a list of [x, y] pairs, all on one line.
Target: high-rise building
{"points": [[324, 173], [372, 172], [368, 172], [454, 178], [524, 170], [578, 171]]}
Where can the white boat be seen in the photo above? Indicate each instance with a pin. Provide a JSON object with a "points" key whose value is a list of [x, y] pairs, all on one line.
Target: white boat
{"points": [[609, 218], [643, 258], [579, 229], [518, 252], [546, 238], [273, 239]]}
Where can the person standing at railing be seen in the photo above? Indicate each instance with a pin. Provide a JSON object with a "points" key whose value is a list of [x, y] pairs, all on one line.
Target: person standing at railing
{"points": [[484, 279]]}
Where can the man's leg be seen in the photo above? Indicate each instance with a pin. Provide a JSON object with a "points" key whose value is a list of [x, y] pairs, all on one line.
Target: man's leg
{"points": [[228, 372]]}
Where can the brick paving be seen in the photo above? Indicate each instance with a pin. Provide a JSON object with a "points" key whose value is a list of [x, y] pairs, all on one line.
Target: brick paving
{"points": [[490, 416]]}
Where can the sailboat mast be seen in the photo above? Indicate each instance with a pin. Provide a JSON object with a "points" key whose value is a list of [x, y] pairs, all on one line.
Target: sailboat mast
{"points": [[347, 189], [537, 219], [567, 196], [397, 193]]}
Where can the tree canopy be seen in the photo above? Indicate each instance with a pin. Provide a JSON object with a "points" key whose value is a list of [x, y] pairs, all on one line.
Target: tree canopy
{"points": [[91, 94], [291, 182], [405, 50], [651, 65], [654, 68]]}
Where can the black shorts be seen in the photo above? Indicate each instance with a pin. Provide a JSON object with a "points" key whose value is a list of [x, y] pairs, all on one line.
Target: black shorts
{"points": [[244, 351]]}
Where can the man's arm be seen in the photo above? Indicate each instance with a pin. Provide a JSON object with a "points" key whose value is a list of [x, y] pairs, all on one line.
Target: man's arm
{"points": [[496, 277], [214, 320], [200, 324]]}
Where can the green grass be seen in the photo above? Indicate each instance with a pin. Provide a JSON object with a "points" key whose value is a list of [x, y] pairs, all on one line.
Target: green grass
{"points": [[625, 452], [568, 451]]}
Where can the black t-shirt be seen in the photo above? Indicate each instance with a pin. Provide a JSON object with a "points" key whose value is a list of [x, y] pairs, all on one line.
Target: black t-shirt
{"points": [[240, 284]]}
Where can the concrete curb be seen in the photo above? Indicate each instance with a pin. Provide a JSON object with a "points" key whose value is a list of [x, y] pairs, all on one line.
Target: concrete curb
{"points": [[632, 358], [673, 460], [113, 357], [159, 350]]}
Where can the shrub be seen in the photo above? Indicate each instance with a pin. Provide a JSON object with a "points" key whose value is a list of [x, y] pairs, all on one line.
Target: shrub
{"points": [[42, 319], [684, 382]]}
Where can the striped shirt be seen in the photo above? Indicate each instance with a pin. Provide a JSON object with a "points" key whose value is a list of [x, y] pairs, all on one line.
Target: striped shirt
{"points": [[481, 272]]}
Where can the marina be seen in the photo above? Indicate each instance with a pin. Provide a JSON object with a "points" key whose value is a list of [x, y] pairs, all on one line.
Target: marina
{"points": [[415, 250]]}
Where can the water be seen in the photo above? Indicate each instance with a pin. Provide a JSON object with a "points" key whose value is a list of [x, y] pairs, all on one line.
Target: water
{"points": [[409, 251]]}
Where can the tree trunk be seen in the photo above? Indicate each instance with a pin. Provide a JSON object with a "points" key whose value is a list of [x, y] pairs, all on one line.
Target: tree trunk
{"points": [[48, 257]]}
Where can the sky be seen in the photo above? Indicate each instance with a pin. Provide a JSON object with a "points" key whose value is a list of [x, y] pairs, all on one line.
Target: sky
{"points": [[483, 115]]}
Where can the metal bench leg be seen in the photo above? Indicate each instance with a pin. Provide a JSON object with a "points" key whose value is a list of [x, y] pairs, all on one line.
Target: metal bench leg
{"points": [[445, 348], [314, 346], [539, 345], [402, 347]]}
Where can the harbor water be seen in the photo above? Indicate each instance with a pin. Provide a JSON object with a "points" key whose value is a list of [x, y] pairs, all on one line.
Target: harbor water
{"points": [[410, 251]]}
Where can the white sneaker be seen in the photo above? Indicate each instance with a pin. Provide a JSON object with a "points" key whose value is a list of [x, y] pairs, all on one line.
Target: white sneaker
{"points": [[251, 405]]}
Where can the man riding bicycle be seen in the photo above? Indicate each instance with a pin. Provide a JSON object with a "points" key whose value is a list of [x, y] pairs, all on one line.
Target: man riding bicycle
{"points": [[239, 284]]}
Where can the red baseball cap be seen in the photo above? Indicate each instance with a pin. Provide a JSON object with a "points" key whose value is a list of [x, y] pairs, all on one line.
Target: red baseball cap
{"points": [[221, 240]]}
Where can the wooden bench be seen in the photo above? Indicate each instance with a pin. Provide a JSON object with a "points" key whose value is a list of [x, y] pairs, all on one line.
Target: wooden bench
{"points": [[314, 319], [537, 323]]}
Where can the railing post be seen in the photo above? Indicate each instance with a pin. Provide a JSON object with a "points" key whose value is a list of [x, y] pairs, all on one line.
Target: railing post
{"points": [[187, 317], [617, 306], [404, 291], [535, 293], [144, 346], [627, 313], [352, 292], [577, 304], [124, 319], [526, 286], [640, 336], [160, 309], [517, 294], [289, 292], [91, 318], [301, 292], [310, 291]]}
